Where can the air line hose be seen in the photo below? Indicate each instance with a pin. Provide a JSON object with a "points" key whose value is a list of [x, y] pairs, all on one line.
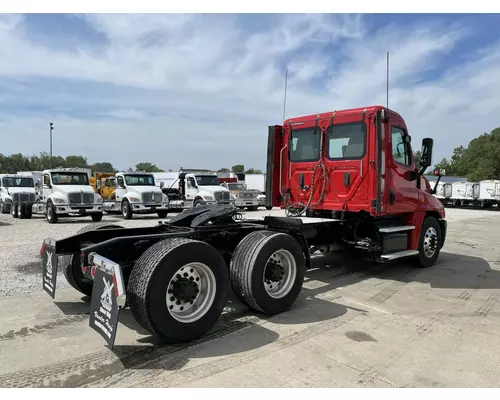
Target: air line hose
{"points": [[291, 209]]}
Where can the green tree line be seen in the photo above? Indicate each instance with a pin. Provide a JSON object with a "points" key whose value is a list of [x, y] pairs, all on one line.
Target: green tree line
{"points": [[480, 160], [19, 162]]}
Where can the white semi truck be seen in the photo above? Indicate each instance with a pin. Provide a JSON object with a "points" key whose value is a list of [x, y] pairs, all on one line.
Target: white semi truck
{"points": [[66, 192], [200, 187], [137, 193]]}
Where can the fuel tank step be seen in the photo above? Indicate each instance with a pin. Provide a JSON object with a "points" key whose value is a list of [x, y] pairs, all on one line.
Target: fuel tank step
{"points": [[399, 254], [393, 229]]}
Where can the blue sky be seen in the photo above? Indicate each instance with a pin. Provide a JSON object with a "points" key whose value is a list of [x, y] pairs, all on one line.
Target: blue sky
{"points": [[199, 91]]}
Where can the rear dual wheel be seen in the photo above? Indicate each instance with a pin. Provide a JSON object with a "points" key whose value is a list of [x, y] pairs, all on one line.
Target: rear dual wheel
{"points": [[21, 210], [178, 288], [267, 271]]}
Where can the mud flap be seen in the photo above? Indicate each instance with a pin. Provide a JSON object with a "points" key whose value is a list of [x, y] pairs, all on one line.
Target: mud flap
{"points": [[108, 297], [49, 268]]}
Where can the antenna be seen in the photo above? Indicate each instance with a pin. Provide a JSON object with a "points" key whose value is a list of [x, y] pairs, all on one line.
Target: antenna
{"points": [[284, 100], [387, 88]]}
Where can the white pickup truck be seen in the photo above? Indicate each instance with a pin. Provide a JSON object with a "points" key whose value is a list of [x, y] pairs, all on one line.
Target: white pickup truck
{"points": [[242, 197], [17, 195], [137, 193], [66, 192]]}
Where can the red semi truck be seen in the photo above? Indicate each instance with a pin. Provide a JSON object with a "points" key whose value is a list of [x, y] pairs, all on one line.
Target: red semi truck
{"points": [[346, 179]]}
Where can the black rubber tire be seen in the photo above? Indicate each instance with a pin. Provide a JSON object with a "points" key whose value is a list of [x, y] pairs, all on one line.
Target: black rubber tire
{"points": [[162, 214], [198, 202], [126, 210], [29, 211], [269, 208], [148, 284], [97, 217], [71, 265], [253, 208], [52, 218], [422, 260], [248, 265], [21, 211], [13, 210], [2, 208]]}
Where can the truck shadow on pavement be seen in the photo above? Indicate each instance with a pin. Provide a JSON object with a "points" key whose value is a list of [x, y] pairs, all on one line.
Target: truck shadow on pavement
{"points": [[238, 330], [451, 271]]}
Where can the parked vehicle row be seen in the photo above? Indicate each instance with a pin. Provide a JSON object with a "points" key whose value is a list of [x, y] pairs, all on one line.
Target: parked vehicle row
{"points": [[484, 193], [74, 192]]}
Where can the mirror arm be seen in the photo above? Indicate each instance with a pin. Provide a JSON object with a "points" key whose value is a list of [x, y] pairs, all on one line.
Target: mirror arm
{"points": [[434, 190]]}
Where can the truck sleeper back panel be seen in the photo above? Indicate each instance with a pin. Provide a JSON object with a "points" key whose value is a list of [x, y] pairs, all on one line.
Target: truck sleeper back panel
{"points": [[336, 145]]}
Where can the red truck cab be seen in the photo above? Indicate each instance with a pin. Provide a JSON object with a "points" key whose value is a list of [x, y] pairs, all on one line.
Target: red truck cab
{"points": [[351, 163]]}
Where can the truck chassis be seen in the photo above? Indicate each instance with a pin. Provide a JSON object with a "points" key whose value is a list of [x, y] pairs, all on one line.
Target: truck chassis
{"points": [[175, 276]]}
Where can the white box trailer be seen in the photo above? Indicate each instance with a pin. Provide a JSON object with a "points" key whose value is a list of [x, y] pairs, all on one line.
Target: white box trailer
{"points": [[169, 179], [439, 189], [489, 192], [256, 181], [465, 193]]}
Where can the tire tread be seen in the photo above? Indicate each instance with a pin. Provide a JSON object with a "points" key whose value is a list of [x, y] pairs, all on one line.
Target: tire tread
{"points": [[242, 266], [140, 277]]}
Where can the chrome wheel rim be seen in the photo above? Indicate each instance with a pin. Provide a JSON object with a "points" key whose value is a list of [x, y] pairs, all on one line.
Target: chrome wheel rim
{"points": [[430, 242], [191, 292], [125, 209], [49, 212], [280, 273]]}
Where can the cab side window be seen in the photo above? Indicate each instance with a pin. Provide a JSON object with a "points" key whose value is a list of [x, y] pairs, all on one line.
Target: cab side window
{"points": [[46, 180], [400, 148], [191, 182], [120, 182]]}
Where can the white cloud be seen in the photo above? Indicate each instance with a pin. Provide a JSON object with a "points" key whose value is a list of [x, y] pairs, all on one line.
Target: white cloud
{"points": [[200, 90]]}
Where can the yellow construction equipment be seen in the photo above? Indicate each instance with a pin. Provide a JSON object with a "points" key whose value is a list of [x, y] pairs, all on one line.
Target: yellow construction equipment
{"points": [[103, 183]]}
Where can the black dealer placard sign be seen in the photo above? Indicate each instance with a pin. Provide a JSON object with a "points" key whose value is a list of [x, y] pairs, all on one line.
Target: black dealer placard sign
{"points": [[104, 309]]}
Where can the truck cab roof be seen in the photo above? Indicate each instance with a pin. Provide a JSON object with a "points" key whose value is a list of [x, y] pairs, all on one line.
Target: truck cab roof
{"points": [[339, 113]]}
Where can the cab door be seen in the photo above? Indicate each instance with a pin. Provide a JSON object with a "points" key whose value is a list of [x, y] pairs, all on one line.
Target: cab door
{"points": [[46, 187], [121, 190], [401, 194], [191, 188]]}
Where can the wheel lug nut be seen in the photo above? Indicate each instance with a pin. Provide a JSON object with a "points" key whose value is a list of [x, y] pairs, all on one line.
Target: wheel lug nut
{"points": [[170, 291], [191, 278], [178, 302], [178, 276], [182, 308], [186, 274], [171, 307], [192, 270], [172, 298], [197, 279]]}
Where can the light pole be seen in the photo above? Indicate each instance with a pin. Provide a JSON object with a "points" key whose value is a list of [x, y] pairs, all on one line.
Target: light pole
{"points": [[51, 125]]}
